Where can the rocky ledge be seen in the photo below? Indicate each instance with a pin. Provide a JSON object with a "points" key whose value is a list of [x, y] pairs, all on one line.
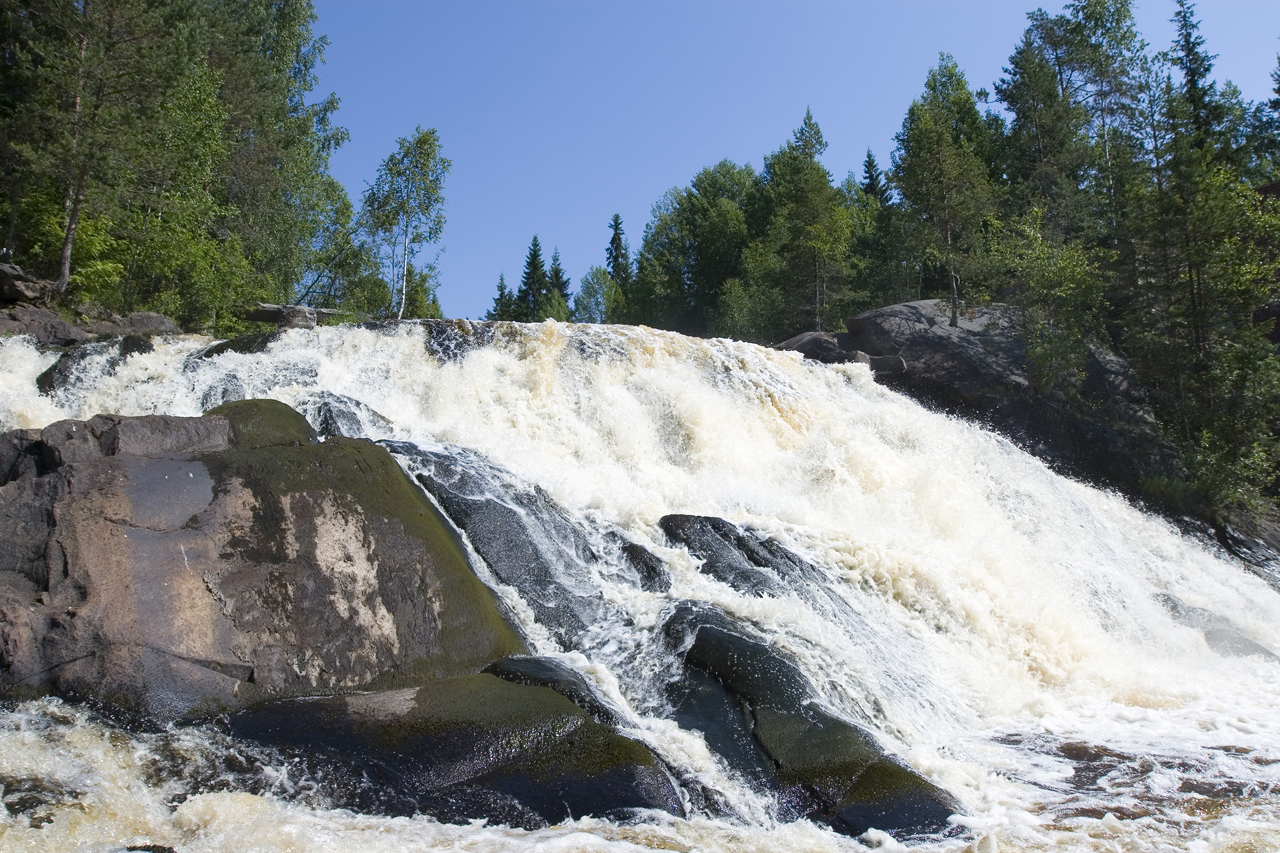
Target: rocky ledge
{"points": [[979, 370]]}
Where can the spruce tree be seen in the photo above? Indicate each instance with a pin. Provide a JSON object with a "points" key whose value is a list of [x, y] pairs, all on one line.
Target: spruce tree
{"points": [[872, 179], [618, 260], [533, 284], [505, 305], [557, 281], [808, 137]]}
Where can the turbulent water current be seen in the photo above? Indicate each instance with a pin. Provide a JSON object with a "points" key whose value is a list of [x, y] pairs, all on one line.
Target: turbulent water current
{"points": [[1077, 673]]}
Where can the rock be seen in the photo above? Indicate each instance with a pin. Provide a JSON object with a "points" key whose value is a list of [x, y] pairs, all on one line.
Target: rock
{"points": [[143, 323], [471, 747], [726, 553], [979, 369], [549, 672], [62, 372], [44, 325], [819, 346], [334, 414], [529, 542], [245, 344], [758, 711], [178, 566], [18, 286], [837, 349], [1220, 634], [289, 316]]}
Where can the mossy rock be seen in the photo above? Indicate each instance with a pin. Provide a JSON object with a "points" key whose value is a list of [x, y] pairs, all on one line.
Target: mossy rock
{"points": [[471, 747], [265, 423], [442, 610]]}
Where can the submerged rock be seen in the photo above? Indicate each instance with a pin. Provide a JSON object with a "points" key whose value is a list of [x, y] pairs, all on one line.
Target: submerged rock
{"points": [[467, 748], [174, 566]]}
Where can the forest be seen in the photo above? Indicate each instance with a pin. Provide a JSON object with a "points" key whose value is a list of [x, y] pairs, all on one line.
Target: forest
{"points": [[174, 156]]}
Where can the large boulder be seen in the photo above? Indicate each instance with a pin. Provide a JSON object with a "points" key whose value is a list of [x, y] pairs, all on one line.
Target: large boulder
{"points": [[759, 712], [176, 566], [19, 286], [44, 325], [979, 369], [468, 748]]}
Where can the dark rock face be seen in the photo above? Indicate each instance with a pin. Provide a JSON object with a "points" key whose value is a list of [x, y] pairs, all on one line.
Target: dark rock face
{"points": [[334, 414], [45, 326], [63, 371], [548, 672], [839, 349], [980, 370], [726, 552], [175, 566], [471, 747], [528, 542], [18, 286], [760, 713], [144, 323]]}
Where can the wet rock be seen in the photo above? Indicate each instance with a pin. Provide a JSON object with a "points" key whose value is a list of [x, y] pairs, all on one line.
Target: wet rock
{"points": [[1220, 634], [334, 414], [725, 552], [525, 539], [761, 714], [176, 566], [979, 369], [450, 340], [45, 326], [108, 356], [839, 349], [471, 747], [245, 345], [549, 672]]}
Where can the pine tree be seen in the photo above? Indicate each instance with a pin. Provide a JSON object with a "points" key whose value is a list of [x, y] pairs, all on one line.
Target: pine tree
{"points": [[873, 179], [557, 281], [807, 138], [533, 284], [506, 306], [944, 182], [618, 260]]}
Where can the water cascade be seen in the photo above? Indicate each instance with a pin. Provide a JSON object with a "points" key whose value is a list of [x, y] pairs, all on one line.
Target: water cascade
{"points": [[1075, 673]]}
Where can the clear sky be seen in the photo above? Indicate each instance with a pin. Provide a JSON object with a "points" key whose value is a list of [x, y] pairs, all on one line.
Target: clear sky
{"points": [[559, 113]]}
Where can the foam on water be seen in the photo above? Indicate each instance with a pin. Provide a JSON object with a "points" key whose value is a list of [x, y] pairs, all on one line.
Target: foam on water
{"points": [[1005, 630]]}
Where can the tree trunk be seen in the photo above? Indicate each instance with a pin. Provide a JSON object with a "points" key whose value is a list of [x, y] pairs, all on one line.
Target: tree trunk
{"points": [[404, 278], [73, 219]]}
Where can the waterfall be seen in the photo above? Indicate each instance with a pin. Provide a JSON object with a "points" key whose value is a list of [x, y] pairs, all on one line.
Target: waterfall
{"points": [[1076, 672]]}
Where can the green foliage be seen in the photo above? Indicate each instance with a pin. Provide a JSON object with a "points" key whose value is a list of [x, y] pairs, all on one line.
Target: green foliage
{"points": [[163, 155], [938, 168], [599, 298], [1061, 294], [404, 207]]}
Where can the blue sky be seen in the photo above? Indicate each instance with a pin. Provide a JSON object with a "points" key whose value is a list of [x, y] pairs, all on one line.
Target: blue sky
{"points": [[559, 113]]}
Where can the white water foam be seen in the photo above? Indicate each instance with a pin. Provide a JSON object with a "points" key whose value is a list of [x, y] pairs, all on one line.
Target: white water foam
{"points": [[1000, 627]]}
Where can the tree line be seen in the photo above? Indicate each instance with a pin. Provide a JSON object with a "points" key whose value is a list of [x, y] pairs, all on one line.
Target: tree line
{"points": [[169, 156], [1110, 190]]}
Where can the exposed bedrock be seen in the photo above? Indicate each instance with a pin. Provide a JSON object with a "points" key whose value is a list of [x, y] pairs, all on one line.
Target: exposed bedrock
{"points": [[979, 370], [761, 714], [177, 566], [476, 746]]}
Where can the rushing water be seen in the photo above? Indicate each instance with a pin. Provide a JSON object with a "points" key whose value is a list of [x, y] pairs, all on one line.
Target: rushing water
{"points": [[1020, 638]]}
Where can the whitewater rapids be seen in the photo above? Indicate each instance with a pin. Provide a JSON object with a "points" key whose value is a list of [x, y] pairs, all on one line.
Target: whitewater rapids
{"points": [[1004, 630]]}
